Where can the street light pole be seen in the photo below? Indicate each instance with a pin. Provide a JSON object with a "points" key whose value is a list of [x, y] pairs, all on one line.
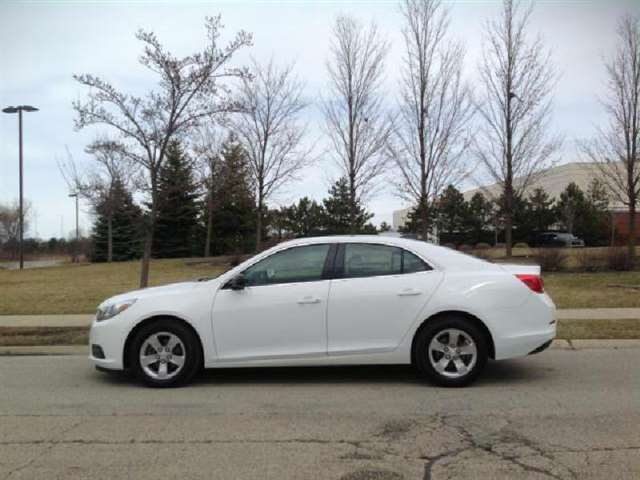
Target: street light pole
{"points": [[19, 110], [77, 246]]}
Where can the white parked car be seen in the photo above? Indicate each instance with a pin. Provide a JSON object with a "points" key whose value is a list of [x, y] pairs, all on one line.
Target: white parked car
{"points": [[331, 301]]}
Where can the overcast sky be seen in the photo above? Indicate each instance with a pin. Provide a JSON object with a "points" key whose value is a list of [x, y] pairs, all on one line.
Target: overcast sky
{"points": [[42, 44]]}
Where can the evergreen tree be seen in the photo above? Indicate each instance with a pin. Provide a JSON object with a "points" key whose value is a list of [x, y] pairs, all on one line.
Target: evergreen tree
{"points": [[415, 223], [123, 217], [519, 217], [451, 211], [572, 205], [342, 216], [541, 214], [478, 216], [234, 219], [177, 217], [305, 219], [596, 223], [384, 227]]}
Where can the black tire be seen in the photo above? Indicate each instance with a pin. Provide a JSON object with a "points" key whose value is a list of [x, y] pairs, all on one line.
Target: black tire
{"points": [[192, 353], [436, 328]]}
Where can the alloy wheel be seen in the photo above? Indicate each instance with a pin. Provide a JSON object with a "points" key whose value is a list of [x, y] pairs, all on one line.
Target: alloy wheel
{"points": [[452, 353], [162, 355]]}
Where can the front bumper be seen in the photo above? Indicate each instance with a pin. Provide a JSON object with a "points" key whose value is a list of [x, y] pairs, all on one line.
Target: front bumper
{"points": [[109, 336]]}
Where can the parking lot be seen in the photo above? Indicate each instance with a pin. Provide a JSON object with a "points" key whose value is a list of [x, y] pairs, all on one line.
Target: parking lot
{"points": [[561, 414]]}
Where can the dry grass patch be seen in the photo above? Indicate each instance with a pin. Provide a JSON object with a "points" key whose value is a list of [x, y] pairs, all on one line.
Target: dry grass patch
{"points": [[593, 290], [80, 288], [39, 336], [599, 329]]}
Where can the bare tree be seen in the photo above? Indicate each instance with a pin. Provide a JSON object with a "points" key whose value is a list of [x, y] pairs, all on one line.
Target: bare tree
{"points": [[355, 118], [430, 138], [111, 172], [10, 224], [270, 131], [206, 143], [512, 140], [616, 146], [189, 92]]}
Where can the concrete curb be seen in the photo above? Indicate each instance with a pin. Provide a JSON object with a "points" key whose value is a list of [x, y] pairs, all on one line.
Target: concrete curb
{"points": [[83, 350]]}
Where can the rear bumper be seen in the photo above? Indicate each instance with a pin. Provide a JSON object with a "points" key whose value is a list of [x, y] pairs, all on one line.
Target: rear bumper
{"points": [[542, 347], [530, 329]]}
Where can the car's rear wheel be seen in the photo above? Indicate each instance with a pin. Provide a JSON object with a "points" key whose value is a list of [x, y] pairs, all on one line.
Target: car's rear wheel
{"points": [[165, 353], [451, 351]]}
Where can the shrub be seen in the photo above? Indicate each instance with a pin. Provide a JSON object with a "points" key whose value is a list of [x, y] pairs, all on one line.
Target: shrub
{"points": [[619, 260], [521, 245], [482, 254], [551, 259], [589, 261]]}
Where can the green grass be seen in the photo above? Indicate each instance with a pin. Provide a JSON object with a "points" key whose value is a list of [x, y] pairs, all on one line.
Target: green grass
{"points": [[593, 290], [80, 288]]}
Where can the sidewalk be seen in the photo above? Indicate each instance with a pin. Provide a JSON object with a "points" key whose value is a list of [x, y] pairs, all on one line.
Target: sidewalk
{"points": [[84, 320]]}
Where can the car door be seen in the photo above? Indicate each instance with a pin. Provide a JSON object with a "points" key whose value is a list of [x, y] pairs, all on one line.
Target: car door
{"points": [[380, 292], [281, 312]]}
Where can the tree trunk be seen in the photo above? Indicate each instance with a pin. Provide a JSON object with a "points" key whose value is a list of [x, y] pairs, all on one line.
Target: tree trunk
{"points": [[508, 234], [207, 244], [259, 224], [631, 245], [424, 228], [148, 241], [352, 206], [110, 239]]}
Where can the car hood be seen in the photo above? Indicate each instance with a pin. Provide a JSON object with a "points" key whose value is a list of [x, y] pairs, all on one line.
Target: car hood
{"points": [[163, 290]]}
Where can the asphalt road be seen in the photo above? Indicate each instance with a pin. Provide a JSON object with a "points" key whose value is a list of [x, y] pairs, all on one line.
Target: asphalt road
{"points": [[561, 414]]}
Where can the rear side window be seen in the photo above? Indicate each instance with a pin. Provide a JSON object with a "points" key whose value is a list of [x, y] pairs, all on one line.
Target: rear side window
{"points": [[412, 263], [364, 260], [369, 260]]}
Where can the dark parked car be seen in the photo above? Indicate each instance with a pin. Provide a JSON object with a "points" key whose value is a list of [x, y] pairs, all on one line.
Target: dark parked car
{"points": [[558, 239]]}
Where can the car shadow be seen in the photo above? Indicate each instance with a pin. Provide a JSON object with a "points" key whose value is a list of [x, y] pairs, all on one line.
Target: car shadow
{"points": [[502, 373]]}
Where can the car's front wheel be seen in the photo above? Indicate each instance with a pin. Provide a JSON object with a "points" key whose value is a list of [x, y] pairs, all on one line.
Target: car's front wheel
{"points": [[451, 351], [165, 353]]}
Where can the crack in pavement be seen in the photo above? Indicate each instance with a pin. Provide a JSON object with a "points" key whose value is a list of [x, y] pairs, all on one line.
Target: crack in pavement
{"points": [[50, 446], [491, 445]]}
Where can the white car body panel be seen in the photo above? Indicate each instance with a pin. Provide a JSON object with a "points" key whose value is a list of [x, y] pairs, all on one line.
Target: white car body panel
{"points": [[360, 310], [339, 321], [282, 320]]}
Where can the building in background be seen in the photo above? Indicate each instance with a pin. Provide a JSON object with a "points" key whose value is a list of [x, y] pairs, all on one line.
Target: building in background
{"points": [[554, 181]]}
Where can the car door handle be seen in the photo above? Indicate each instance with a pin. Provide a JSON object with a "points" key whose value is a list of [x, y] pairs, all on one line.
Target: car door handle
{"points": [[308, 300], [409, 292]]}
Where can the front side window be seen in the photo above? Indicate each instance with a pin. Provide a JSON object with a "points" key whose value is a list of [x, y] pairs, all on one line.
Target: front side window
{"points": [[298, 264], [369, 260]]}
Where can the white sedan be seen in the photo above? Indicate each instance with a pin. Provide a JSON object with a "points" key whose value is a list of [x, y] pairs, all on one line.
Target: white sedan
{"points": [[340, 300]]}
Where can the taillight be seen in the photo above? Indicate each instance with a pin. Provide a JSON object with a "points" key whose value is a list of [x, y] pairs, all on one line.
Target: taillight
{"points": [[534, 282]]}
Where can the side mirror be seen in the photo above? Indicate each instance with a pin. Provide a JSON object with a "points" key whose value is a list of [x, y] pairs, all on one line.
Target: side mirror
{"points": [[238, 282]]}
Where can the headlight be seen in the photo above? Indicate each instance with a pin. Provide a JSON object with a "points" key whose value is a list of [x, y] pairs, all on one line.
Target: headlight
{"points": [[110, 311]]}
